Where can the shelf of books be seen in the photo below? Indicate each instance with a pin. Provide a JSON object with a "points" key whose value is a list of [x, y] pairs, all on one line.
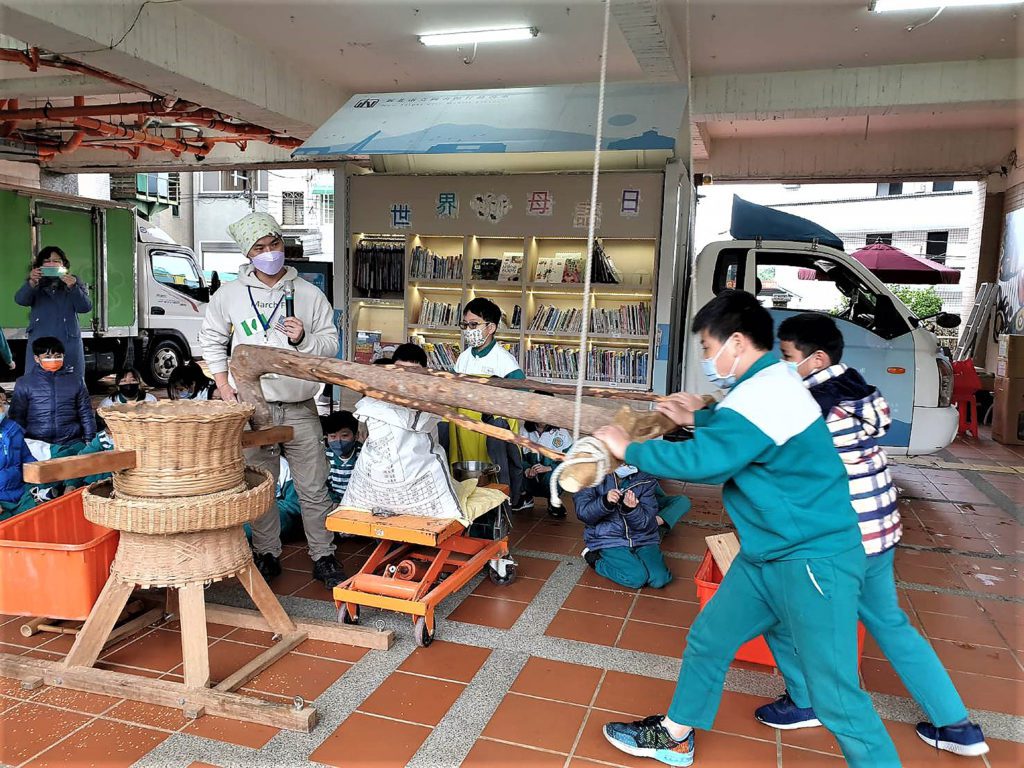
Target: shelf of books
{"points": [[537, 283]]}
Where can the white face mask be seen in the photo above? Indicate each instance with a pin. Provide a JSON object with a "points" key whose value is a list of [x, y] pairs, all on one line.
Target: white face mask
{"points": [[473, 337]]}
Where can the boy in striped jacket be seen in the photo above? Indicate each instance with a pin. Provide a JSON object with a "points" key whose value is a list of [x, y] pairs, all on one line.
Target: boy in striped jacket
{"points": [[340, 430], [858, 416]]}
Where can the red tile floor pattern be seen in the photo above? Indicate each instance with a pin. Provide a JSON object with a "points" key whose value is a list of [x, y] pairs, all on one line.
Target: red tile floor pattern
{"points": [[553, 714]]}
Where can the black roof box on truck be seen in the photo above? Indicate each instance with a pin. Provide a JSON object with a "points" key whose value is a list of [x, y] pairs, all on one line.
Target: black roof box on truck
{"points": [[759, 222]]}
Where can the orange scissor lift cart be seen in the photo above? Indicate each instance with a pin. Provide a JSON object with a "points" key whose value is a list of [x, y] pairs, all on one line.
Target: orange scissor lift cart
{"points": [[418, 562]]}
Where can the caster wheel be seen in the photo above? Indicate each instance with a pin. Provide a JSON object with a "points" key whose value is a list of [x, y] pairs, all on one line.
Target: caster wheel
{"points": [[502, 581], [344, 617], [421, 635]]}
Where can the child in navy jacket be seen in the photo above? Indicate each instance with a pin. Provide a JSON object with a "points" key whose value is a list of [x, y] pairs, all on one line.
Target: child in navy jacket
{"points": [[621, 534]]}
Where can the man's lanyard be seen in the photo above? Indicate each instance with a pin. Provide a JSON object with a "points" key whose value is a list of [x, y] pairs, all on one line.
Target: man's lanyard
{"points": [[265, 325]]}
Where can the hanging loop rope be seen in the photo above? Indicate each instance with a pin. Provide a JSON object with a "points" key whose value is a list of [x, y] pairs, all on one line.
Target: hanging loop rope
{"points": [[589, 450]]}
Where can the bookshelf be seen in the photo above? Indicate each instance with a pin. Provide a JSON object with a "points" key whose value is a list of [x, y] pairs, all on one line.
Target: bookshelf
{"points": [[541, 319]]}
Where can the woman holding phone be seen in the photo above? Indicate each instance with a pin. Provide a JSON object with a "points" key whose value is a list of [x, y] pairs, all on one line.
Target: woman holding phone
{"points": [[55, 298]]}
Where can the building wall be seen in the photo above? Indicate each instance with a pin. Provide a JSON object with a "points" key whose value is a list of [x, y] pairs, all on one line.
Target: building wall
{"points": [[19, 174]]}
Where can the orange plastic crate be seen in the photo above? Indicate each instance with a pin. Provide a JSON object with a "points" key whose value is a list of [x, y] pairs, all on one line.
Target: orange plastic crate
{"points": [[755, 651], [54, 562]]}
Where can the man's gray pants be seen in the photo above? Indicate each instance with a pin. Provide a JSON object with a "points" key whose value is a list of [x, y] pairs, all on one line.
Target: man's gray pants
{"points": [[308, 463]]}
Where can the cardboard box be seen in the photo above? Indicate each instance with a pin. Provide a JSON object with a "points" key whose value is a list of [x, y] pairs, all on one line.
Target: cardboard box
{"points": [[1010, 361], [1008, 411]]}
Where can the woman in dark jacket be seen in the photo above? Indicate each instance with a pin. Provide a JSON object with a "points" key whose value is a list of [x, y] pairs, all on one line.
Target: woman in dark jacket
{"points": [[55, 298]]}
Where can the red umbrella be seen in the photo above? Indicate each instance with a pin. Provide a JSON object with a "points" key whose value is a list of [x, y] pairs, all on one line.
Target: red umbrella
{"points": [[894, 266]]}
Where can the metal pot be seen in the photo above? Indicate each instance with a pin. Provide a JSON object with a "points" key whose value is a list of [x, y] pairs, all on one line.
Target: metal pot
{"points": [[484, 471]]}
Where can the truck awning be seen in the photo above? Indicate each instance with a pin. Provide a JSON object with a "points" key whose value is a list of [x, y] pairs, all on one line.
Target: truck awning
{"points": [[556, 118]]}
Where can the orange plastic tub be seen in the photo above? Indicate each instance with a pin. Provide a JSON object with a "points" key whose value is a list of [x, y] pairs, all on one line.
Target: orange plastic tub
{"points": [[755, 651], [54, 562]]}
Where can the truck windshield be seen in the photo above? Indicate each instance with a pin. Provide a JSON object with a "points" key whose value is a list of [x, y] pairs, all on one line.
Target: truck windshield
{"points": [[179, 273]]}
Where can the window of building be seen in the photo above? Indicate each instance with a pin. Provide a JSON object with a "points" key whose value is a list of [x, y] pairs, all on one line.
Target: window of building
{"points": [[291, 209], [325, 208], [937, 245], [888, 188], [232, 181], [878, 237], [942, 186]]}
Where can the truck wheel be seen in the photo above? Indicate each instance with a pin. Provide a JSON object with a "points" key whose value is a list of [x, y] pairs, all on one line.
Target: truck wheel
{"points": [[164, 356]]}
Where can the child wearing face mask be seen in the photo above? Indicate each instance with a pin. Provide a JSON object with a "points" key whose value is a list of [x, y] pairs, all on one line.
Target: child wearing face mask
{"points": [[129, 389], [801, 565], [51, 404], [858, 416], [188, 382], [621, 533], [14, 454], [340, 430]]}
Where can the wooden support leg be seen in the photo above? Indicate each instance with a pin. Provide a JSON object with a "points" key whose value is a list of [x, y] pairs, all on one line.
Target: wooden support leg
{"points": [[94, 634], [195, 647], [266, 601]]}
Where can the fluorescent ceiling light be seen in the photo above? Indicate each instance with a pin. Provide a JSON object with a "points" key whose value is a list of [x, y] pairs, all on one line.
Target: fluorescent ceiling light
{"points": [[882, 6], [479, 36]]}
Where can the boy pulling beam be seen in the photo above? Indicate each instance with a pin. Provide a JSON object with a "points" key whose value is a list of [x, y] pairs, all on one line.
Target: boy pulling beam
{"points": [[802, 564]]}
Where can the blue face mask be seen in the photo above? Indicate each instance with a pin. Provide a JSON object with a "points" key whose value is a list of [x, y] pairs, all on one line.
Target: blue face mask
{"points": [[796, 366], [342, 447], [625, 471], [711, 371]]}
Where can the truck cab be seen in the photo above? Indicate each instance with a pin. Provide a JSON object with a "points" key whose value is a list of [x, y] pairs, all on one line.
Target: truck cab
{"points": [[883, 339], [172, 299]]}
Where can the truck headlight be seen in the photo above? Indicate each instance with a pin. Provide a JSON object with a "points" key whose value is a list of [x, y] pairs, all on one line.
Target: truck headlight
{"points": [[945, 381]]}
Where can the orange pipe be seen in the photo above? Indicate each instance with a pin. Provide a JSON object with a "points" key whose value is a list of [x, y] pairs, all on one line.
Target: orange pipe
{"points": [[140, 137], [378, 585], [8, 127], [81, 110]]}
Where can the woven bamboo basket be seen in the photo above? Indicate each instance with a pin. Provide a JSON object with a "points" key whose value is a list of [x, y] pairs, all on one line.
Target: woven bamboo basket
{"points": [[179, 559], [183, 448], [105, 506]]}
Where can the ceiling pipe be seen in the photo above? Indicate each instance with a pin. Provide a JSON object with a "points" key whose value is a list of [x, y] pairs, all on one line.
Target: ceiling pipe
{"points": [[81, 110], [140, 137], [8, 127]]}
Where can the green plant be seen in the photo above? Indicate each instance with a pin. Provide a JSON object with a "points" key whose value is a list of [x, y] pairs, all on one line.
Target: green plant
{"points": [[921, 301]]}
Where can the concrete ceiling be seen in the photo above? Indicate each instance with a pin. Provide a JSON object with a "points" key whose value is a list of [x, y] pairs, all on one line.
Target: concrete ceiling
{"points": [[806, 72]]}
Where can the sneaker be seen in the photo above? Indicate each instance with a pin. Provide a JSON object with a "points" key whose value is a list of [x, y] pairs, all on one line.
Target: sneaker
{"points": [[785, 715], [556, 513], [966, 740], [591, 556], [327, 570], [268, 566], [523, 505], [649, 738]]}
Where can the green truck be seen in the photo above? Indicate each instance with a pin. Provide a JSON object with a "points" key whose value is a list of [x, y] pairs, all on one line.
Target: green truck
{"points": [[148, 294]]}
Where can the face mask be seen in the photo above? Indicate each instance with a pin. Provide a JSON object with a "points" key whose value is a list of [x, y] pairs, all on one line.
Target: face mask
{"points": [[51, 365], [711, 371], [342, 447], [184, 394], [625, 471], [269, 262], [473, 337], [3, 412], [796, 366], [129, 391]]}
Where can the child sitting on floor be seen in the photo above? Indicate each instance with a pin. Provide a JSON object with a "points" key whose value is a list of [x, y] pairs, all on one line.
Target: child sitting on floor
{"points": [[340, 429], [14, 454], [621, 533], [402, 468], [538, 468], [858, 416], [129, 389]]}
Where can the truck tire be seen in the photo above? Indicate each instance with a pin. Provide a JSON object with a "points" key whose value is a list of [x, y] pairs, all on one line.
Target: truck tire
{"points": [[164, 356]]}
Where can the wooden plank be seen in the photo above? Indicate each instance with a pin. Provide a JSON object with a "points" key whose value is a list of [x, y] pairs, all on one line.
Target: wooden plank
{"points": [[410, 529], [724, 548], [328, 631], [163, 692], [261, 662], [93, 636], [266, 601], [195, 647], [267, 436], [78, 466], [141, 621]]}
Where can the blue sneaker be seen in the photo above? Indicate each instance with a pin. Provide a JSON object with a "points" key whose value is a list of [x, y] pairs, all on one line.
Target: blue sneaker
{"points": [[966, 740], [649, 738], [786, 715]]}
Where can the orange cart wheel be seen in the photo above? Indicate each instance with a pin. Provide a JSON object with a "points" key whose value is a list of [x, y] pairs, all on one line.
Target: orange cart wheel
{"points": [[422, 637], [344, 617]]}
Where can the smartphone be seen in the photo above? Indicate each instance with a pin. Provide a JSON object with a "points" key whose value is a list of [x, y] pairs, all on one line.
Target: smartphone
{"points": [[53, 271]]}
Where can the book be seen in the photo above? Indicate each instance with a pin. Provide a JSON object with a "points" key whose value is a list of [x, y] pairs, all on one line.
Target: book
{"points": [[367, 344], [550, 270], [427, 265], [486, 269], [573, 270], [511, 267]]}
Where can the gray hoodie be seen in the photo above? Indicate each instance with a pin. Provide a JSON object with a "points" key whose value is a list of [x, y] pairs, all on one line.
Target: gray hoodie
{"points": [[232, 317]]}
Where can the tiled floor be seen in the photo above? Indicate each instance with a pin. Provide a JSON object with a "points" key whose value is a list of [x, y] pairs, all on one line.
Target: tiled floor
{"points": [[528, 673]]}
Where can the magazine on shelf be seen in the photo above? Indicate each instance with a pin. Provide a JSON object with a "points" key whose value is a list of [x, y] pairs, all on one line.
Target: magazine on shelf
{"points": [[486, 269], [550, 270], [367, 345], [511, 267]]}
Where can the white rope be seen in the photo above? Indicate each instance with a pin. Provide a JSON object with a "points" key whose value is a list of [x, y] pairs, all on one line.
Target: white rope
{"points": [[581, 373], [588, 450]]}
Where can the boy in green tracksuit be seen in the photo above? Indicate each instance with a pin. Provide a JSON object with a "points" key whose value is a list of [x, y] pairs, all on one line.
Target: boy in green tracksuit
{"points": [[801, 565]]}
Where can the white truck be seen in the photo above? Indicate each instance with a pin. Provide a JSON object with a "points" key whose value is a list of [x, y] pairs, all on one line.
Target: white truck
{"points": [[148, 293]]}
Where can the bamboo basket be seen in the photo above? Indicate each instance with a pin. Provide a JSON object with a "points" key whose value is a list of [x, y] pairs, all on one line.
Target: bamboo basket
{"points": [[182, 448], [180, 559], [105, 506]]}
